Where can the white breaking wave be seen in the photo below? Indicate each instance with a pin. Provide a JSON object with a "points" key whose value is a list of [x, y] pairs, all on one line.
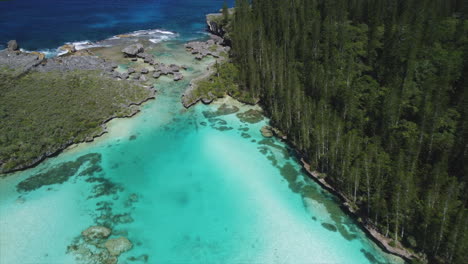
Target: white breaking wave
{"points": [[85, 44], [49, 53], [153, 35], [162, 38]]}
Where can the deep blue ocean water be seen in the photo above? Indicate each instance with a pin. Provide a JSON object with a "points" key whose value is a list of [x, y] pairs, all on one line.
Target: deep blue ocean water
{"points": [[47, 24]]}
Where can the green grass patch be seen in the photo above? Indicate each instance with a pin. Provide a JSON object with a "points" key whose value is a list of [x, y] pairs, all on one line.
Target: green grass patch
{"points": [[40, 112]]}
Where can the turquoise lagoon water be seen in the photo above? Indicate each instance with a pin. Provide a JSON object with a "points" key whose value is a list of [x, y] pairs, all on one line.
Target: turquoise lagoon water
{"points": [[193, 187]]}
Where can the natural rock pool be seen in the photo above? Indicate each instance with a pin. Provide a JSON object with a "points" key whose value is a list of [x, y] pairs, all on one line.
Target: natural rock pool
{"points": [[184, 186]]}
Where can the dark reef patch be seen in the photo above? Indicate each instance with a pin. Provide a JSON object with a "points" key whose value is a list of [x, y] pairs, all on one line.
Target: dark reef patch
{"points": [[142, 258], [223, 128], [369, 256], [291, 174], [251, 116], [330, 227], [217, 121], [132, 137], [105, 187], [222, 110], [62, 172], [271, 143], [245, 135]]}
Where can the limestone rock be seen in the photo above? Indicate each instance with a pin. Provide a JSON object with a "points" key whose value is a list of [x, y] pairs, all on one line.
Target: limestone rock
{"points": [[13, 45], [70, 48], [133, 50], [40, 55], [144, 71], [96, 232], [117, 246], [174, 68], [178, 76], [124, 76]]}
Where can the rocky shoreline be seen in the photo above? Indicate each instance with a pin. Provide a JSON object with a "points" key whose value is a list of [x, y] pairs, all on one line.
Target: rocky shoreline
{"points": [[382, 241], [22, 63], [214, 48]]}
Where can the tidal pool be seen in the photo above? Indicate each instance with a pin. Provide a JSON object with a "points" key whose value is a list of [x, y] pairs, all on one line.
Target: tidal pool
{"points": [[185, 186]]}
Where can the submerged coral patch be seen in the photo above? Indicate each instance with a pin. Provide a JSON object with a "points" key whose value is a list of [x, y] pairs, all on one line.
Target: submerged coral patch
{"points": [[250, 116], [291, 174], [224, 109], [223, 128], [330, 227], [105, 187], [271, 143], [62, 172]]}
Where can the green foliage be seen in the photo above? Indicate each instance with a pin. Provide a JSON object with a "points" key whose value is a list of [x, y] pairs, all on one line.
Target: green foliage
{"points": [[41, 112], [373, 93], [223, 81]]}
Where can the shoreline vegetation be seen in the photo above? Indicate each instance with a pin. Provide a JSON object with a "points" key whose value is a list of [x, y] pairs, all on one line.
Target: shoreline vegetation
{"points": [[48, 105], [396, 242], [215, 82]]}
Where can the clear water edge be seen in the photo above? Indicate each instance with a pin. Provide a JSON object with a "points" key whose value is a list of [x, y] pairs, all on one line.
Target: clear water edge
{"points": [[205, 195]]}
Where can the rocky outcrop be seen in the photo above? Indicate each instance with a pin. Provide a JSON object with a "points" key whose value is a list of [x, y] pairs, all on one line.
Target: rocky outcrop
{"points": [[20, 62], [202, 49], [71, 63], [118, 246], [93, 248], [147, 58], [12, 45], [69, 48], [217, 26], [211, 47], [96, 232], [163, 69], [133, 50], [214, 26]]}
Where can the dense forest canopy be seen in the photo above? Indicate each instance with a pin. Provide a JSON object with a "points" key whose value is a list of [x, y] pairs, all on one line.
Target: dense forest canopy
{"points": [[373, 93]]}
